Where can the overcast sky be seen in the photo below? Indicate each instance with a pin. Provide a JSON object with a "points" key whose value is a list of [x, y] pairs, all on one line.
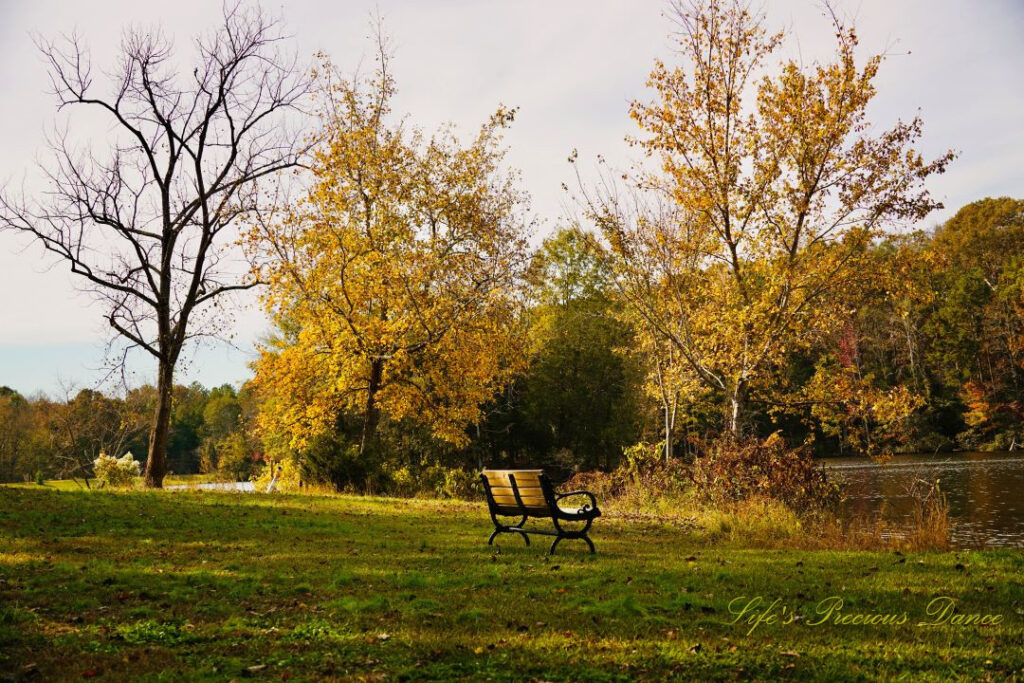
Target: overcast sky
{"points": [[571, 67]]}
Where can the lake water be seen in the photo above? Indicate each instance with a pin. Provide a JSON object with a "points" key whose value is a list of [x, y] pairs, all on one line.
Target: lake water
{"points": [[985, 492]]}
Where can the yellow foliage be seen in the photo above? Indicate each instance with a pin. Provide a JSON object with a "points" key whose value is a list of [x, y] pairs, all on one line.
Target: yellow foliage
{"points": [[749, 242], [288, 479], [394, 280], [850, 407]]}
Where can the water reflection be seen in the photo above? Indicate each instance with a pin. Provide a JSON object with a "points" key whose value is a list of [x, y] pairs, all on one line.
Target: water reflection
{"points": [[985, 492]]}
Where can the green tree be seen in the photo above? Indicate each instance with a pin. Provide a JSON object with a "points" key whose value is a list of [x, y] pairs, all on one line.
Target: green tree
{"points": [[976, 326], [580, 391], [24, 446]]}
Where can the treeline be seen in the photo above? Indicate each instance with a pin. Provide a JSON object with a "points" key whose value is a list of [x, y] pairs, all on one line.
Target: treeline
{"points": [[951, 328], [946, 324], [941, 323], [44, 438]]}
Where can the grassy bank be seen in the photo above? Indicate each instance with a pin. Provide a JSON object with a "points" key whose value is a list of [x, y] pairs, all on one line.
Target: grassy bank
{"points": [[165, 586]]}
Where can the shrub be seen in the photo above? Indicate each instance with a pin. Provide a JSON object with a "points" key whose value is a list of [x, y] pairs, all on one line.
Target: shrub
{"points": [[403, 483], [116, 472], [734, 470], [643, 477], [331, 459], [458, 483]]}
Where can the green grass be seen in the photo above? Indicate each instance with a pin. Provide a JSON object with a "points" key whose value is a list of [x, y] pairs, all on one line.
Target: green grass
{"points": [[215, 586], [169, 480]]}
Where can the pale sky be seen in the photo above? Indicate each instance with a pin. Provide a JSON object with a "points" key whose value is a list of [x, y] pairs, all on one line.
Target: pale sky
{"points": [[571, 67]]}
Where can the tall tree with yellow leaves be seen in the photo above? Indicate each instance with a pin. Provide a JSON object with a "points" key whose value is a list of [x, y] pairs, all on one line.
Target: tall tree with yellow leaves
{"points": [[768, 190], [395, 280]]}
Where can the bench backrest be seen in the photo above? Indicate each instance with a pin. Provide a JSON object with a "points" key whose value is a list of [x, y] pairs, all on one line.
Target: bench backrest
{"points": [[518, 492]]}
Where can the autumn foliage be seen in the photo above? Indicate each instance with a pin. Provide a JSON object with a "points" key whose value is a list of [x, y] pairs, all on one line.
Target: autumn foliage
{"points": [[393, 281], [747, 294], [740, 243]]}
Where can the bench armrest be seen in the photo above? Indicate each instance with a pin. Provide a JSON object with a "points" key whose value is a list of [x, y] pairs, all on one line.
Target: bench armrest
{"points": [[593, 501]]}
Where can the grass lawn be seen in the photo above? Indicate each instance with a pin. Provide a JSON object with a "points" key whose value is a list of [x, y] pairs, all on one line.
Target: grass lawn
{"points": [[216, 586]]}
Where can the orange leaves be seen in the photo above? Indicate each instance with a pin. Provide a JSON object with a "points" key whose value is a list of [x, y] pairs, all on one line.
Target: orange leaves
{"points": [[979, 409]]}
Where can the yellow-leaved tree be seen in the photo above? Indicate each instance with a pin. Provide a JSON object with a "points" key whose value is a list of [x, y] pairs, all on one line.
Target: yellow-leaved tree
{"points": [[744, 241], [395, 281]]}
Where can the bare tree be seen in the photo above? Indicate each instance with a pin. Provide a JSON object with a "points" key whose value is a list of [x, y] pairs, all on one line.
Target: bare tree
{"points": [[148, 224]]}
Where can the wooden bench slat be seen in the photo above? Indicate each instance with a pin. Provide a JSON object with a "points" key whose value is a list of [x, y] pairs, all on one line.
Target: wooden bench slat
{"points": [[522, 480], [523, 490], [510, 501]]}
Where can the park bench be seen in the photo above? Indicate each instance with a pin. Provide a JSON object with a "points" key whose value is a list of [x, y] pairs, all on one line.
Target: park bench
{"points": [[529, 493]]}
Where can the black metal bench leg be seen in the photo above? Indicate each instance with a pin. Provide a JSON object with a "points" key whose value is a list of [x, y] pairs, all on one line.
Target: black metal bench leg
{"points": [[508, 530], [558, 540]]}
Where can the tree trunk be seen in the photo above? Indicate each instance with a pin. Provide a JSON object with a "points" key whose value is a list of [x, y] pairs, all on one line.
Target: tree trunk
{"points": [[671, 407], [156, 461], [371, 414], [668, 435], [737, 403]]}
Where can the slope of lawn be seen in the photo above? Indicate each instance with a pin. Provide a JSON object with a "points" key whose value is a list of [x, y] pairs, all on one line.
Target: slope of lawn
{"points": [[215, 586]]}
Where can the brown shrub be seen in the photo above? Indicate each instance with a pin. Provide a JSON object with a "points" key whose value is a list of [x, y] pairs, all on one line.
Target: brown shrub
{"points": [[734, 470]]}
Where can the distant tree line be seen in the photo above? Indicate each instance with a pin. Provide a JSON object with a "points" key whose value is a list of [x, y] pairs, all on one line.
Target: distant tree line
{"points": [[46, 438], [946, 321]]}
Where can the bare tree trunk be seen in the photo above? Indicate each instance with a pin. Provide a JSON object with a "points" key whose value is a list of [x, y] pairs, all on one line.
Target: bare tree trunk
{"points": [[737, 403], [148, 226], [671, 411], [668, 434], [669, 404], [371, 415], [156, 462]]}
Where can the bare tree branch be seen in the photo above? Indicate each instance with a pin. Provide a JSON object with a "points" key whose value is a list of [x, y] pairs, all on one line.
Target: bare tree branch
{"points": [[147, 226]]}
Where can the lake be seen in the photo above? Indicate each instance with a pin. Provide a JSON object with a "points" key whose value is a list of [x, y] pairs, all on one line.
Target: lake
{"points": [[985, 492]]}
